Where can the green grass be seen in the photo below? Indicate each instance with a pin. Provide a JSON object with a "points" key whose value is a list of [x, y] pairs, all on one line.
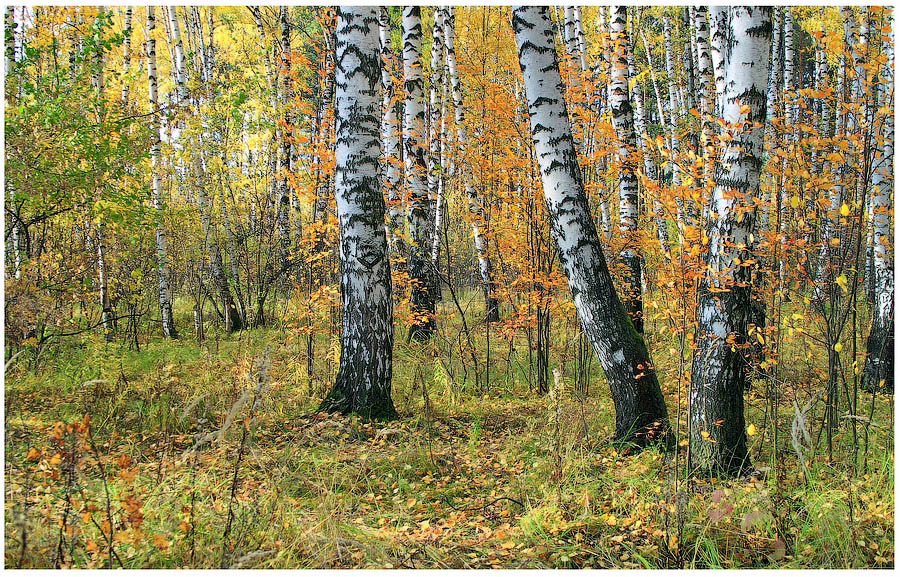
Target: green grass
{"points": [[471, 484]]}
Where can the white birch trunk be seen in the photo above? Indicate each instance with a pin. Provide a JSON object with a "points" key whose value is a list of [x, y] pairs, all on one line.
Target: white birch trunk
{"points": [[180, 79], [390, 143], [363, 382], [880, 344], [718, 438], [421, 300], [476, 210], [126, 53], [640, 409], [719, 28], [162, 256], [623, 121]]}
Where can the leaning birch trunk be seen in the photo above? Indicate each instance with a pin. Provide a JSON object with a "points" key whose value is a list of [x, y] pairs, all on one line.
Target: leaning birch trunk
{"points": [[623, 121], [363, 382], [718, 373], [421, 301], [880, 344], [640, 409], [390, 159], [162, 257], [476, 209]]}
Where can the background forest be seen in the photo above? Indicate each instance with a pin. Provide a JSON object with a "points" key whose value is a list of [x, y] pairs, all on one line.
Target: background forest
{"points": [[639, 314]]}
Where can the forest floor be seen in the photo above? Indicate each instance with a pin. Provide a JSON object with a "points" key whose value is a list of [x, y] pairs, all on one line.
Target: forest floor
{"points": [[100, 448]]}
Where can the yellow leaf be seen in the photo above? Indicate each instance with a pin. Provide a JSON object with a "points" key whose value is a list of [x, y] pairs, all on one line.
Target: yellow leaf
{"points": [[751, 430], [845, 210], [838, 347], [842, 282], [795, 201], [160, 542]]}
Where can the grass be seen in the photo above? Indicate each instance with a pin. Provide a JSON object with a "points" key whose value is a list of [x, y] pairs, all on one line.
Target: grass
{"points": [[471, 483]]}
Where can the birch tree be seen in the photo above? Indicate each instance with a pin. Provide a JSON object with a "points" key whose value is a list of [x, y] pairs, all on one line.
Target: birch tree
{"points": [[162, 255], [718, 16], [476, 209], [284, 156], [640, 409], [363, 382], [390, 143], [718, 373], [421, 297], [880, 344], [623, 121]]}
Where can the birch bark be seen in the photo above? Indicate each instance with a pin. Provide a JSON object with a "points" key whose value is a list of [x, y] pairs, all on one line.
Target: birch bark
{"points": [[476, 210], [162, 255], [421, 301], [640, 409], [363, 382], [718, 438]]}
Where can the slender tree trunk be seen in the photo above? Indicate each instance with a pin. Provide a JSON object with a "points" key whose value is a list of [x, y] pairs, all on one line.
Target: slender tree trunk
{"points": [[440, 202], [162, 256], [126, 52], [476, 209], [389, 140], [672, 121], [181, 81], [838, 129], [773, 87], [363, 382], [706, 87], [719, 28], [623, 121], [284, 158], [421, 300], [435, 169], [106, 314], [880, 344], [718, 374], [643, 138], [640, 408]]}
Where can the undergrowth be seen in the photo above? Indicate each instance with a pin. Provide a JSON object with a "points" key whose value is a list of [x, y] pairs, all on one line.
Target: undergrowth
{"points": [[211, 455]]}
